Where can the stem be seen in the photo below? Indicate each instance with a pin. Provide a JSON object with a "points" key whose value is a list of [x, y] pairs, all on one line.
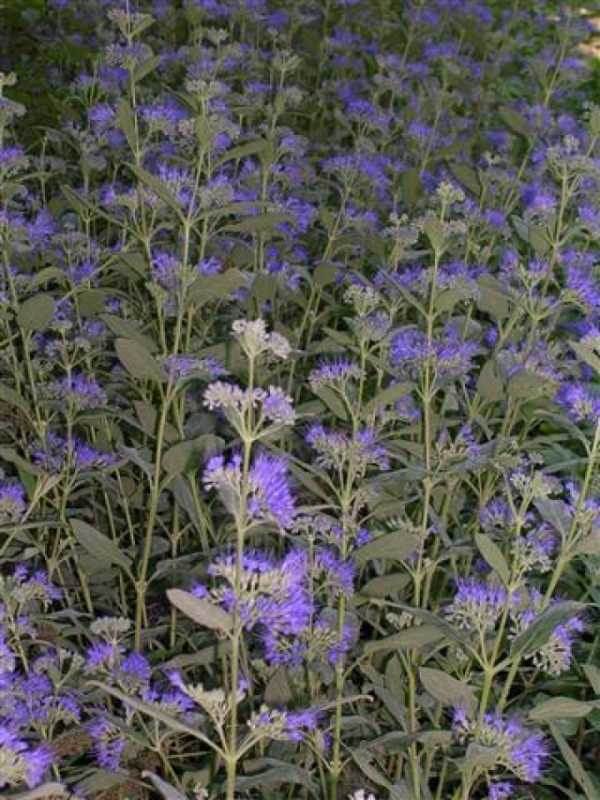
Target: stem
{"points": [[232, 753], [141, 586]]}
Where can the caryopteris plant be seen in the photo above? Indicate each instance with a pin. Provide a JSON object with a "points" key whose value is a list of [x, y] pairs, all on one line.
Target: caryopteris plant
{"points": [[299, 400]]}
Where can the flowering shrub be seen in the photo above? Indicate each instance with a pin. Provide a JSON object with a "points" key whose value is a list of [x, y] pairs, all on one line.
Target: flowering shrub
{"points": [[300, 401]]}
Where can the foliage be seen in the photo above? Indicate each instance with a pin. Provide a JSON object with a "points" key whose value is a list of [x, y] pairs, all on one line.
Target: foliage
{"points": [[300, 408]]}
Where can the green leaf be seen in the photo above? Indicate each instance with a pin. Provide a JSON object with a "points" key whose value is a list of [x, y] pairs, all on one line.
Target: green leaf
{"points": [[155, 712], [180, 457], [434, 228], [384, 585], [35, 312], [138, 361], [538, 633], [494, 556], [260, 223], [539, 239], [555, 513], [201, 611], [77, 203], [575, 766], [589, 545], [587, 354], [146, 67], [45, 792], [592, 673], [396, 546], [277, 691], [448, 630], [45, 276], [481, 757], [559, 708], [489, 385], [92, 302], [467, 176], [491, 298], [168, 791], [158, 186], [325, 274], [253, 148], [515, 121], [595, 121], [333, 401], [99, 781], [215, 287], [447, 690], [98, 545], [126, 329], [412, 187], [278, 773], [388, 396], [264, 288], [525, 385], [135, 260], [415, 637], [362, 760], [10, 454], [126, 120], [13, 399]]}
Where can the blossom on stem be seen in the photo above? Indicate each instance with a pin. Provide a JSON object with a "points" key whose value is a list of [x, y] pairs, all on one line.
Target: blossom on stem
{"points": [[269, 496]]}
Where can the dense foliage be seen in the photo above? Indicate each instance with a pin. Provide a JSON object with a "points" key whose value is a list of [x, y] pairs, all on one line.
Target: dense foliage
{"points": [[299, 400]]}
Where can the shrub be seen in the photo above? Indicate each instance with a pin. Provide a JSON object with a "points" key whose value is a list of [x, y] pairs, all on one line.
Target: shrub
{"points": [[300, 403]]}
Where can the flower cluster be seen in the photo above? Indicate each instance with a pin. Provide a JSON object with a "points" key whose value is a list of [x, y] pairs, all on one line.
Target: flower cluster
{"points": [[265, 487], [515, 748]]}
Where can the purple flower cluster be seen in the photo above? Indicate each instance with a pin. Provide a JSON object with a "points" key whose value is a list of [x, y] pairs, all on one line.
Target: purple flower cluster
{"points": [[56, 453], [517, 749], [269, 496]]}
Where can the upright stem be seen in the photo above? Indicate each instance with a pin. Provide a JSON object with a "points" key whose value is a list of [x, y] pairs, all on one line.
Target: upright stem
{"points": [[141, 586], [241, 526]]}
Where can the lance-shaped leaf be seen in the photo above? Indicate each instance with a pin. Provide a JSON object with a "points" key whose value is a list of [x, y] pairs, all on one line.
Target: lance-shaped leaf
{"points": [[560, 708], [494, 556], [384, 585], [138, 361], [215, 287], [575, 766], [538, 633], [515, 121], [447, 690], [98, 545], [36, 312], [155, 712], [467, 176], [449, 631], [201, 611], [158, 186], [260, 223], [556, 513], [168, 791], [415, 637], [126, 120], [397, 546], [44, 792], [436, 234], [388, 396]]}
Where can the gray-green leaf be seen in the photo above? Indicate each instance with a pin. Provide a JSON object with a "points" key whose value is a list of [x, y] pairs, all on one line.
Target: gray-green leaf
{"points": [[447, 690], [36, 312], [98, 545], [538, 633], [494, 556], [201, 611], [397, 546], [138, 361]]}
